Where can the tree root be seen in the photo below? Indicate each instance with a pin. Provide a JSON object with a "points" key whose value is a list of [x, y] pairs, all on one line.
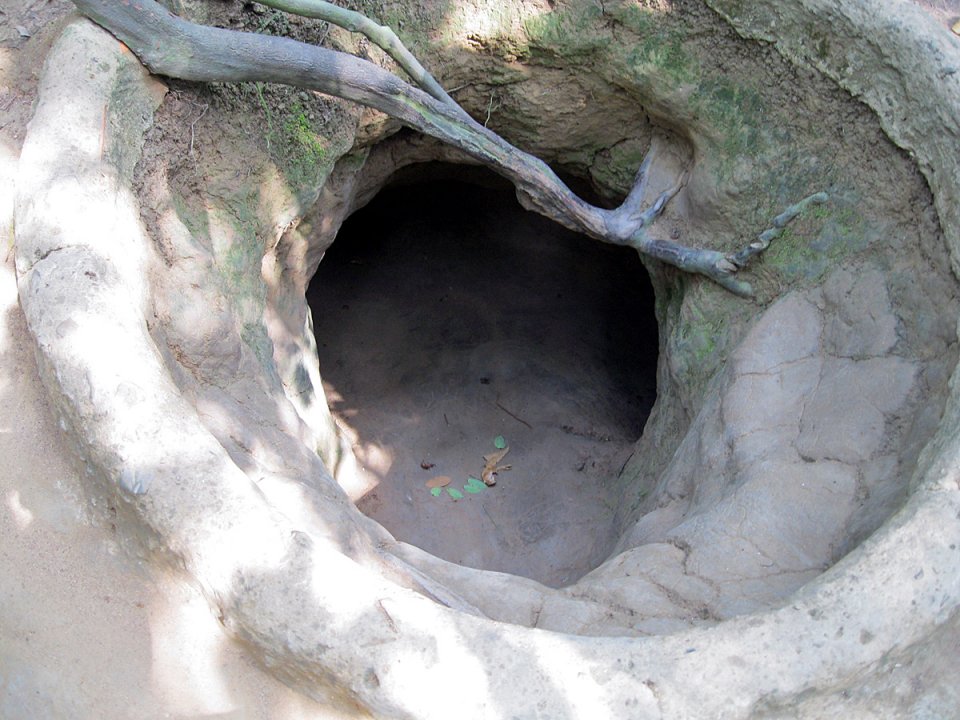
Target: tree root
{"points": [[764, 239], [381, 35], [169, 45]]}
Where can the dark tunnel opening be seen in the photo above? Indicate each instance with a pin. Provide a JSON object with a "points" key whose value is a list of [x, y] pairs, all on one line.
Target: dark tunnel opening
{"points": [[449, 321]]}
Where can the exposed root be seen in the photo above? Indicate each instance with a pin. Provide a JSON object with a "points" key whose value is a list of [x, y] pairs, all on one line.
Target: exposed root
{"points": [[169, 45]]}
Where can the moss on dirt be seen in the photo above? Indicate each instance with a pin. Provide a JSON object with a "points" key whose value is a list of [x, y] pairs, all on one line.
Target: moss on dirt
{"points": [[238, 247], [736, 113], [813, 244], [656, 57], [661, 45], [127, 93], [300, 136], [616, 166], [699, 337], [195, 220], [568, 32], [254, 335]]}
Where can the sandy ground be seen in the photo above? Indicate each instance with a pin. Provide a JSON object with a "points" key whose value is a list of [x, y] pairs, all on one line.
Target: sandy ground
{"points": [[86, 632]]}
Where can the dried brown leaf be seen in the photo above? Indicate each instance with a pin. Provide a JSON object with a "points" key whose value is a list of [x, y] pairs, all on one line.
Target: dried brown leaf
{"points": [[494, 458], [439, 481]]}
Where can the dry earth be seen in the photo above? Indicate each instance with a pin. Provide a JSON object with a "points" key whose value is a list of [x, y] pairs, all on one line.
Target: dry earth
{"points": [[84, 630]]}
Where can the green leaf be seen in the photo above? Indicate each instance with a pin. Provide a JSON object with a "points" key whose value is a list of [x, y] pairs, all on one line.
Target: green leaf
{"points": [[474, 489], [454, 493], [475, 481], [436, 491], [499, 443]]}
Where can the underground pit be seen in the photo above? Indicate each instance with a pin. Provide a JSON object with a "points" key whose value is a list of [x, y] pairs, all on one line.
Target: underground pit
{"points": [[787, 526], [438, 332]]}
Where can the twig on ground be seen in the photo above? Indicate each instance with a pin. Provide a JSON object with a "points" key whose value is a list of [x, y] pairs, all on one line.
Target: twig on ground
{"points": [[194, 124], [514, 416]]}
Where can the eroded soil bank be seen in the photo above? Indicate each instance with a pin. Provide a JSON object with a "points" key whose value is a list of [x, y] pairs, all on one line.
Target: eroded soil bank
{"points": [[785, 433]]}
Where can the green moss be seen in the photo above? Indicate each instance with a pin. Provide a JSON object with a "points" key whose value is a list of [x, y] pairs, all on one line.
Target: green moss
{"points": [[697, 318], [254, 335], [813, 244], [308, 149], [660, 47], [639, 19], [616, 167], [658, 55], [301, 151], [567, 32], [736, 112], [129, 117], [195, 221], [237, 259], [240, 265], [820, 41], [629, 154], [734, 8], [242, 258], [732, 114], [697, 336]]}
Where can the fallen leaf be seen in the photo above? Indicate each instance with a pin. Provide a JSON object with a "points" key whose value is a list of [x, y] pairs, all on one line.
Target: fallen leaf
{"points": [[454, 493], [499, 443], [438, 482], [491, 468], [436, 491], [494, 458]]}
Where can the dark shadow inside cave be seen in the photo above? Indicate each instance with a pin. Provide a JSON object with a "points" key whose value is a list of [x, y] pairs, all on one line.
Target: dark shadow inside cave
{"points": [[447, 316]]}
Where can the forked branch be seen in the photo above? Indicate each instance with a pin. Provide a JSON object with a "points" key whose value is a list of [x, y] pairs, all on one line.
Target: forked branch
{"points": [[381, 35], [169, 45]]}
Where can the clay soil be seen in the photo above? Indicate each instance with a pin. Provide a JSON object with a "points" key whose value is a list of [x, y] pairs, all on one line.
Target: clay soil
{"points": [[440, 331]]}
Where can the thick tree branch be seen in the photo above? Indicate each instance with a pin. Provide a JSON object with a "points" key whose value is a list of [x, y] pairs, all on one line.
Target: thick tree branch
{"points": [[381, 35], [169, 45]]}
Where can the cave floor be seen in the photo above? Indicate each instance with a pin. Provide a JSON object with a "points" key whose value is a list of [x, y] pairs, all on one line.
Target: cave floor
{"points": [[440, 332]]}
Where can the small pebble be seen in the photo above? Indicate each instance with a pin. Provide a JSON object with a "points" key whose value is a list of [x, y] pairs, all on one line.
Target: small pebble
{"points": [[956, 27]]}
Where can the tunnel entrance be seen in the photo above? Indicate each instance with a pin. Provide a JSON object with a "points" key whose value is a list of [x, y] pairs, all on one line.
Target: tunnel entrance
{"points": [[449, 321]]}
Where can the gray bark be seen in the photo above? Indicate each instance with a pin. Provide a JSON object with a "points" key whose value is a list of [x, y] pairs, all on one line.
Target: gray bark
{"points": [[382, 35]]}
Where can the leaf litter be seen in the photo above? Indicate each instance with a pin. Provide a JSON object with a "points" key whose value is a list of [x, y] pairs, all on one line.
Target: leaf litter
{"points": [[491, 466], [473, 486]]}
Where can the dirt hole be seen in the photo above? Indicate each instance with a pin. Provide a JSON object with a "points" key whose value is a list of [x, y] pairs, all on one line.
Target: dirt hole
{"points": [[447, 318]]}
